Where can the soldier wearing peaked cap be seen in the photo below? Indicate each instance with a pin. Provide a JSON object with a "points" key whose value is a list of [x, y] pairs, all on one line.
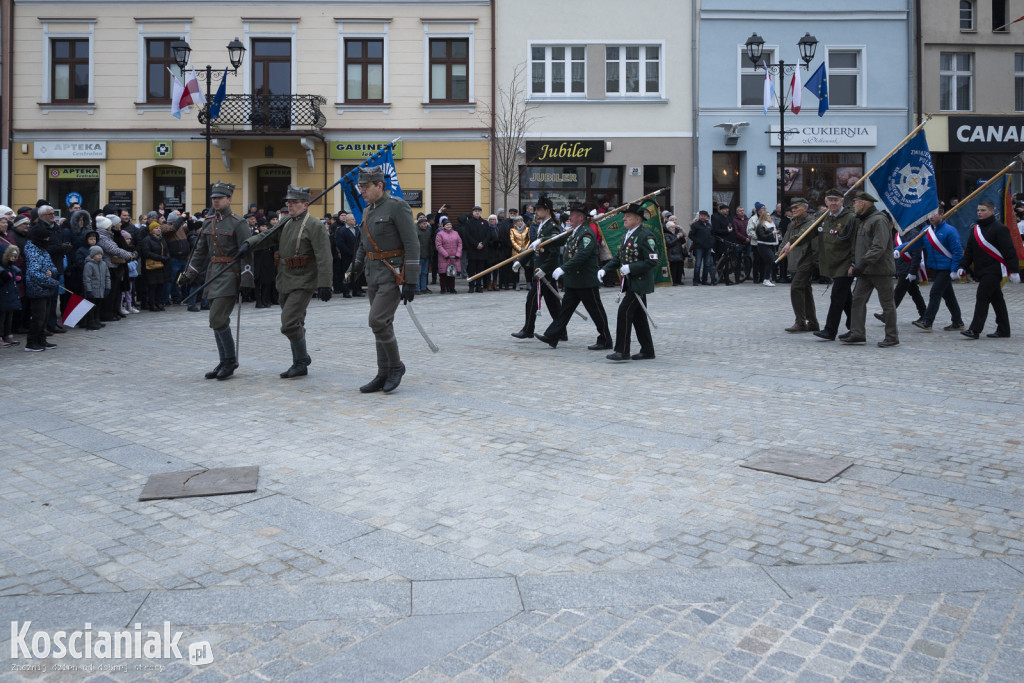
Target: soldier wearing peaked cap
{"points": [[835, 255], [637, 260], [801, 259], [220, 237], [874, 269], [389, 250], [305, 268]]}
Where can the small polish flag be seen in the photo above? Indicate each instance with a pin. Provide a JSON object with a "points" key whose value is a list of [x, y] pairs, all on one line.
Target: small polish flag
{"points": [[796, 87], [77, 309], [193, 93]]}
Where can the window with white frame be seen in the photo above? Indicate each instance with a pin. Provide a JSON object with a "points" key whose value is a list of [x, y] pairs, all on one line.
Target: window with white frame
{"points": [[69, 77], [955, 76], [967, 15], [752, 80], [364, 70], [1018, 82], [633, 70], [558, 71], [844, 67]]}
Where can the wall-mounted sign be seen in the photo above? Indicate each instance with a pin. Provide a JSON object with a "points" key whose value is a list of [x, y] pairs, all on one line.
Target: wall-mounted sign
{"points": [[163, 150], [73, 172], [68, 149], [575, 151], [120, 199], [818, 135], [359, 149], [72, 198], [274, 172], [985, 133], [413, 198], [168, 172], [538, 176]]}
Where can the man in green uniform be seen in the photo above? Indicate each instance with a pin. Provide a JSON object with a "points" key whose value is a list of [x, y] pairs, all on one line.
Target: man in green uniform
{"points": [[874, 268], [305, 269], [802, 259], [637, 260], [219, 239], [835, 256], [389, 249], [581, 285], [544, 259]]}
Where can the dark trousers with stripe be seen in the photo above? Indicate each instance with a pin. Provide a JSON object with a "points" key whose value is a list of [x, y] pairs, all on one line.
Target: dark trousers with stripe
{"points": [[631, 316], [591, 300], [989, 292], [550, 300]]}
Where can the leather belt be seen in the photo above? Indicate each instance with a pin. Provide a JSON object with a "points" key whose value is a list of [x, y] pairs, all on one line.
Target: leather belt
{"points": [[221, 259], [379, 255]]}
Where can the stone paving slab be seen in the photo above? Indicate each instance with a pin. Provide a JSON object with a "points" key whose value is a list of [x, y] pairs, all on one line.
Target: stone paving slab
{"points": [[466, 596], [58, 611], [304, 519], [143, 460], [964, 492], [412, 560]]}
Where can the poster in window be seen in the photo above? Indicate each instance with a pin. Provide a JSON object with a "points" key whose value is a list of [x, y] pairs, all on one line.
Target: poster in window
{"points": [[847, 176], [794, 179]]}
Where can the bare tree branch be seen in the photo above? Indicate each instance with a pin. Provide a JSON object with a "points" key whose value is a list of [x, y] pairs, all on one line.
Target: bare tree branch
{"points": [[513, 117]]}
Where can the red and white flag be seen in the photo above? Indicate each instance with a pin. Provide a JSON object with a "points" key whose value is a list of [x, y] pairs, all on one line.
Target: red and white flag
{"points": [[177, 90], [76, 309], [796, 87], [193, 94]]}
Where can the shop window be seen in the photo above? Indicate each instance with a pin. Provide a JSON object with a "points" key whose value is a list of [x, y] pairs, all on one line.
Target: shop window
{"points": [[810, 174], [449, 70], [364, 70], [159, 58], [844, 78], [1018, 82], [659, 178], [725, 180], [69, 78], [558, 71], [565, 184], [633, 70], [752, 80], [955, 76], [967, 15]]}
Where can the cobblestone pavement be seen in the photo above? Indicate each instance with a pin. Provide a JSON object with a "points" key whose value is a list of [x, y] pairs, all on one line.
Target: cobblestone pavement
{"points": [[515, 512]]}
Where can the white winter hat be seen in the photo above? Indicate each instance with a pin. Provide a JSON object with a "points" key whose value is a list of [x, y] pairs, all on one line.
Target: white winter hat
{"points": [[102, 223]]}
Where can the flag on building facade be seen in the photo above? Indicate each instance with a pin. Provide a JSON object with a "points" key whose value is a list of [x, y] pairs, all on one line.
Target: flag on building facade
{"points": [[818, 84], [177, 89], [769, 90], [193, 94], [385, 158], [905, 184], [797, 90], [219, 96]]}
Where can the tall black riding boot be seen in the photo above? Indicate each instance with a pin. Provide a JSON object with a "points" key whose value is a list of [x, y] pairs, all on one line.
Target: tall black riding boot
{"points": [[300, 360]]}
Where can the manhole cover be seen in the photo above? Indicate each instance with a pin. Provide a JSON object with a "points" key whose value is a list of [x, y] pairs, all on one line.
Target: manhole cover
{"points": [[215, 482], [799, 465]]}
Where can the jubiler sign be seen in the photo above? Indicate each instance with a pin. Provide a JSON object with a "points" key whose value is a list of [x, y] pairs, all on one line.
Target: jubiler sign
{"points": [[817, 135], [560, 151], [986, 133]]}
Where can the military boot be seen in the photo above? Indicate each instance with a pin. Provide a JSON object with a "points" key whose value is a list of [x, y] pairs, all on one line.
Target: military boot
{"points": [[226, 347], [300, 360], [377, 383], [396, 368]]}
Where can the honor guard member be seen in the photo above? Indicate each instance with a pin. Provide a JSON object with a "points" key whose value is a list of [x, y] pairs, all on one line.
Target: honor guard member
{"points": [[991, 256], [801, 259], [835, 256], [545, 259], [219, 240], [874, 268], [581, 285], [637, 260], [389, 249], [304, 268]]}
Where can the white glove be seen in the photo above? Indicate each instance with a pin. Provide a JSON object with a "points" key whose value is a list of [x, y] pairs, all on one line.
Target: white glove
{"points": [[1015, 278], [516, 266], [624, 269], [557, 275], [954, 275], [533, 244], [911, 277], [600, 275], [895, 253], [961, 274]]}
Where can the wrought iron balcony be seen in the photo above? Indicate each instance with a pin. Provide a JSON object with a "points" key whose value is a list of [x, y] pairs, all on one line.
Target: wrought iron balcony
{"points": [[269, 113]]}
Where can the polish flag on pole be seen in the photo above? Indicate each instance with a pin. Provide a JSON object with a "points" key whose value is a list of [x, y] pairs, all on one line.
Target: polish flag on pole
{"points": [[797, 88], [177, 89], [193, 94], [76, 309]]}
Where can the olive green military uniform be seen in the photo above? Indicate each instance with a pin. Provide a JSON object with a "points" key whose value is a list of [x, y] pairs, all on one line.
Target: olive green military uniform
{"points": [[801, 260], [388, 244], [835, 256], [639, 251], [581, 286], [874, 267]]}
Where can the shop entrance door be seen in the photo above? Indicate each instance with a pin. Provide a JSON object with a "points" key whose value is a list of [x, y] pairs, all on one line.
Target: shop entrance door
{"points": [[271, 186], [169, 187], [63, 180]]}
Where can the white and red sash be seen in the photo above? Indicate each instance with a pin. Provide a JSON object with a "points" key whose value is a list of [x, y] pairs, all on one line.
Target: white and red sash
{"points": [[903, 255], [938, 246], [989, 249]]}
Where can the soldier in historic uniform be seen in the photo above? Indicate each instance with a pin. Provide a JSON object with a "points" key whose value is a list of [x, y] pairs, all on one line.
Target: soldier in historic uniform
{"points": [[218, 243], [802, 258], [581, 285], [304, 268], [544, 259], [389, 250], [835, 256], [637, 261], [874, 268]]}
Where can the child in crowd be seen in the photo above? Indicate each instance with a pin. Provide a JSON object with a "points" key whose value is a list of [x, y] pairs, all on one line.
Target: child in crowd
{"points": [[10, 299], [128, 295], [96, 285]]}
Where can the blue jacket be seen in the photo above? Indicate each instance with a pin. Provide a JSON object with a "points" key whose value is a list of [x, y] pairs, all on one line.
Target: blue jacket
{"points": [[9, 300], [38, 284], [950, 239]]}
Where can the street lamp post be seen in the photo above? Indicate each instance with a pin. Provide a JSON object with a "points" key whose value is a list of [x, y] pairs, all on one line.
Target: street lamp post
{"points": [[236, 51], [755, 49]]}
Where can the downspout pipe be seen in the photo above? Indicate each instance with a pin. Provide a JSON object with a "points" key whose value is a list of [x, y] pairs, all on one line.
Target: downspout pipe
{"points": [[494, 104], [694, 93]]}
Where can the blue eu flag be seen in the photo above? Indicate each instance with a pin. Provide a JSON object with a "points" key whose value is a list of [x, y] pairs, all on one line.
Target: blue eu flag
{"points": [[818, 84]]}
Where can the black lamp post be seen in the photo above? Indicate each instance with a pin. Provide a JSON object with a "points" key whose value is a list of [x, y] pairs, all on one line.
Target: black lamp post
{"points": [[755, 48], [236, 51]]}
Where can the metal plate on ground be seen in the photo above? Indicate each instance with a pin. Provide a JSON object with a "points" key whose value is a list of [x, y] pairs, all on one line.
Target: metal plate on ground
{"points": [[194, 483], [799, 465]]}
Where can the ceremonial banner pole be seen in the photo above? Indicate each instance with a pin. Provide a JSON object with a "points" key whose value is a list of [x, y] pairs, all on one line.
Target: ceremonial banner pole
{"points": [[595, 219], [857, 184], [1009, 168]]}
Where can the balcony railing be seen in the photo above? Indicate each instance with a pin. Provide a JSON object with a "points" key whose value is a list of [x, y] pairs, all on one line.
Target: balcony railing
{"points": [[269, 113]]}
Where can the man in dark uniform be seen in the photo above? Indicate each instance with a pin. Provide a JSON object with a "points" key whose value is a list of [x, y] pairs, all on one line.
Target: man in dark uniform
{"points": [[802, 260], [581, 285], [305, 267], [545, 259], [835, 256], [637, 260], [218, 243], [389, 243], [989, 254]]}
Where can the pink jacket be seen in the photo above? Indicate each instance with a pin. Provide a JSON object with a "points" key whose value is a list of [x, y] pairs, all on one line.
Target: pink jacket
{"points": [[449, 250]]}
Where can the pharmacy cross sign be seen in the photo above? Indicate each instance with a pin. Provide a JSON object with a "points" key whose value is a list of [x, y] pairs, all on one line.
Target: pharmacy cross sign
{"points": [[163, 150]]}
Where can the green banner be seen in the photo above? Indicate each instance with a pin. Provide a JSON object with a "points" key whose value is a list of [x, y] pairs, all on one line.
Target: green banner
{"points": [[613, 232]]}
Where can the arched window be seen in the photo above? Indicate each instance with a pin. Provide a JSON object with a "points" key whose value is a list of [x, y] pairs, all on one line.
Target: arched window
{"points": [[967, 15]]}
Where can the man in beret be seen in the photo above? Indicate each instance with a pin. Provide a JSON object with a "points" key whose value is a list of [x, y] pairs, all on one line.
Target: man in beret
{"points": [[874, 269], [219, 239], [835, 256], [637, 260], [306, 269], [389, 250], [801, 259]]}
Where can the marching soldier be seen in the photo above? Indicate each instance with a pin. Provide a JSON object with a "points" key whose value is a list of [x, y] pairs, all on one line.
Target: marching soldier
{"points": [[581, 286], [802, 259], [220, 237], [389, 242], [305, 267], [545, 259], [874, 268], [637, 260], [835, 256]]}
